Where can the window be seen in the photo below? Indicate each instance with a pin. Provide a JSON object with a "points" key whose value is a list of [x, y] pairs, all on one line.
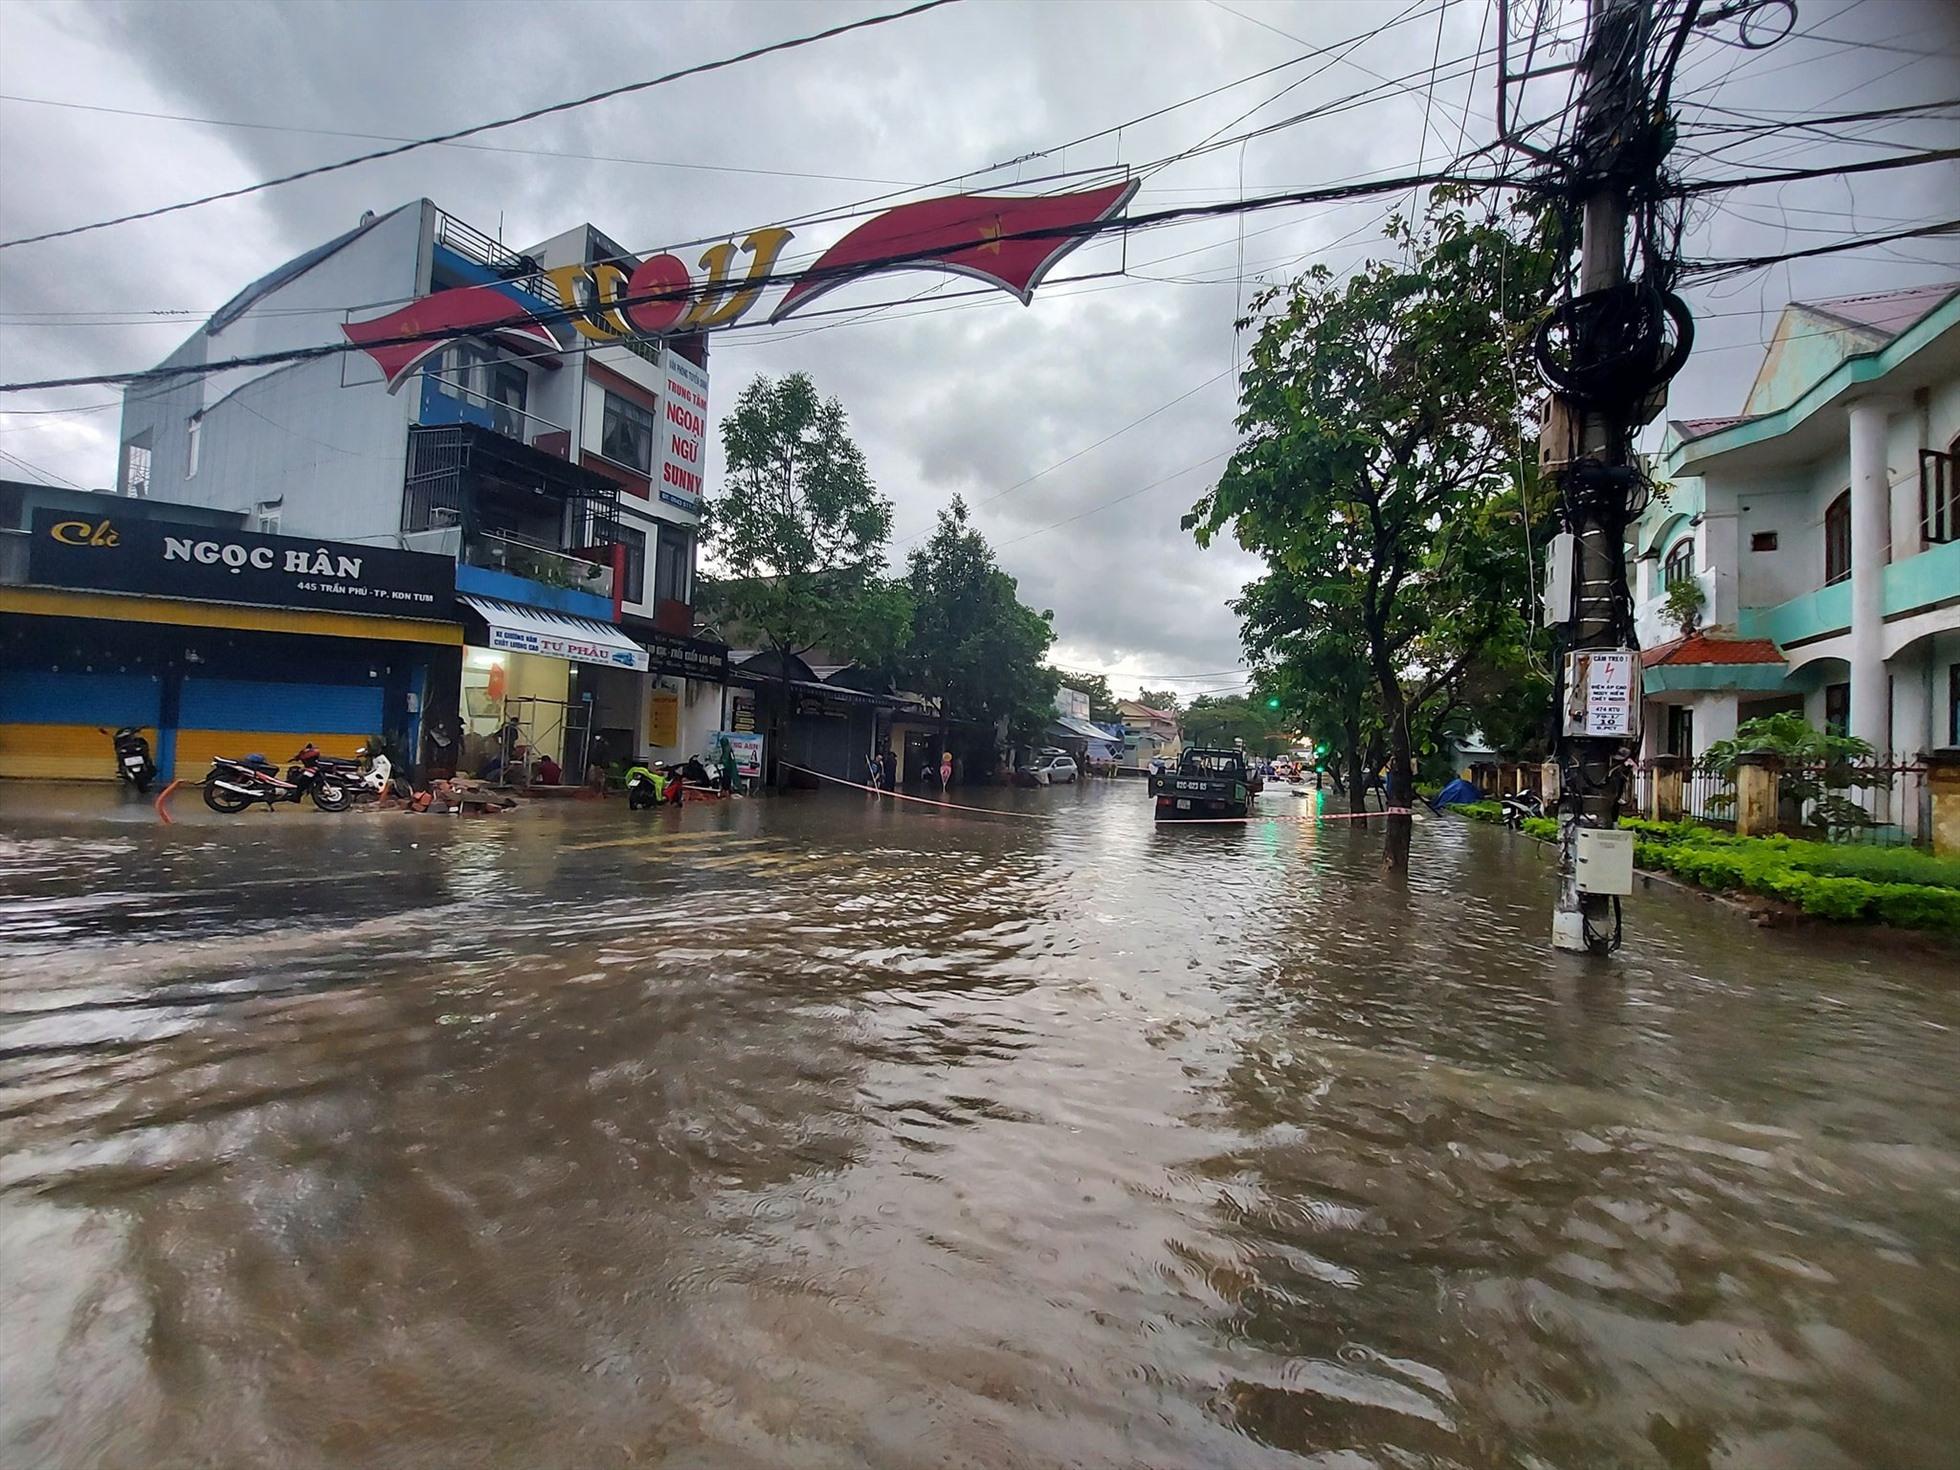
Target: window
{"points": [[626, 434], [192, 434], [1837, 708], [1837, 540], [1939, 494], [1680, 563], [136, 466], [634, 582], [673, 564], [1680, 730], [265, 517], [1762, 540], [474, 372], [506, 385]]}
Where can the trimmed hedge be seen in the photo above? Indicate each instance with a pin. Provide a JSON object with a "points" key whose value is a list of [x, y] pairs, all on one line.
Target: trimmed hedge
{"points": [[1479, 811], [1900, 886]]}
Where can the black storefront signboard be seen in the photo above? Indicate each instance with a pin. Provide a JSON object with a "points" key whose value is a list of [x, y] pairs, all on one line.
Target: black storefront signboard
{"points": [[111, 551], [689, 658]]}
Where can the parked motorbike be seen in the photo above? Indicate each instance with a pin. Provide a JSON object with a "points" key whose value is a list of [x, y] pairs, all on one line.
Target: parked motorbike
{"points": [[652, 786], [233, 785], [133, 760], [368, 777], [1520, 805]]}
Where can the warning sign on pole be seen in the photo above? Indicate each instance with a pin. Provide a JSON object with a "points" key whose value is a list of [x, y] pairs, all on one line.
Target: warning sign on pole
{"points": [[1602, 694]]}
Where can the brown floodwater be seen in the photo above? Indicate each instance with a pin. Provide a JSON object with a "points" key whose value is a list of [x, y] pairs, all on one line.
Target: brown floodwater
{"points": [[808, 1133]]}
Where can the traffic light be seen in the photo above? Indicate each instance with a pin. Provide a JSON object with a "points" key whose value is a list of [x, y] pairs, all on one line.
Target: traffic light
{"points": [[1273, 703]]}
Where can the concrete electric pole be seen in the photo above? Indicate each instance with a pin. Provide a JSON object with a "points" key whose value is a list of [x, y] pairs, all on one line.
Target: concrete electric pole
{"points": [[1619, 340], [1596, 515]]}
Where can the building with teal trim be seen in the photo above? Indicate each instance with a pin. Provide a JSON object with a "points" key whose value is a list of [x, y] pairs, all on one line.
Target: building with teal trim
{"points": [[1822, 530]]}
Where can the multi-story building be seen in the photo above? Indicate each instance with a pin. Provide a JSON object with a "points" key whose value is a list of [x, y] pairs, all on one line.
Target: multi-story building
{"points": [[1822, 531], [538, 471]]}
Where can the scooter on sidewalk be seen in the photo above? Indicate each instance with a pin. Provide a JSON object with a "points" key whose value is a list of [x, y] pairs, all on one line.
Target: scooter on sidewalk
{"points": [[1520, 805], [134, 763]]}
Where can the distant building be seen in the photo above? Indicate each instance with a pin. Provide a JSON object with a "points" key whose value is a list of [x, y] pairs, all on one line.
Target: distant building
{"points": [[1149, 734]]}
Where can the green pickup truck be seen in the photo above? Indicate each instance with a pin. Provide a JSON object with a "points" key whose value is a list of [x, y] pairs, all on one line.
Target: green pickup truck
{"points": [[1206, 783]]}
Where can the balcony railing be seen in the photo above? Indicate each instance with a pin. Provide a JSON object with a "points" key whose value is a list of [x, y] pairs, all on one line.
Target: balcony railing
{"points": [[472, 244], [493, 413], [537, 563]]}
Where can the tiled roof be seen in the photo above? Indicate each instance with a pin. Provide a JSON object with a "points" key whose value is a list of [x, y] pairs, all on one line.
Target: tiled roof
{"points": [[1695, 428], [1886, 312], [1701, 648], [1151, 714]]}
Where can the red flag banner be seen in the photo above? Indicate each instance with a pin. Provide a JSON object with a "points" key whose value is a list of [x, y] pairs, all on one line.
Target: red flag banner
{"points": [[968, 234], [438, 320]]}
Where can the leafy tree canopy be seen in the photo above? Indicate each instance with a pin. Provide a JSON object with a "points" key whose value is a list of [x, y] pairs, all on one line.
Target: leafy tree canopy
{"points": [[1381, 418], [798, 528], [972, 644]]}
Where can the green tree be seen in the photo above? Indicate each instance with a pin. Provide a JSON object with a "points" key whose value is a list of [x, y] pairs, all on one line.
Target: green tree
{"points": [[1163, 699], [798, 526], [1305, 636], [1380, 416], [973, 646], [1217, 722]]}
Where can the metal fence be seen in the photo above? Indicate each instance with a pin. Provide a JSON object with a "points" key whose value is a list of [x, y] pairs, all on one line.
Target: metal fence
{"points": [[1708, 796], [1879, 800]]}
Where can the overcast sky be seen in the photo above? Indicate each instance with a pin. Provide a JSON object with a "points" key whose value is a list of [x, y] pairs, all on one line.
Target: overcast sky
{"points": [[981, 397]]}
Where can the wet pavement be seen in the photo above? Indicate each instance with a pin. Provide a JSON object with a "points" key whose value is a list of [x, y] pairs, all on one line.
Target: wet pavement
{"points": [[804, 1132]]}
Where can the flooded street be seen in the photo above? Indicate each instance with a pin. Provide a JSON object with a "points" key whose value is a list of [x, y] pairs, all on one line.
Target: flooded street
{"points": [[806, 1132]]}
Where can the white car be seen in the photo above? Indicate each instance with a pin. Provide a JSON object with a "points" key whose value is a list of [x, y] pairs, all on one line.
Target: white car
{"points": [[1052, 767]]}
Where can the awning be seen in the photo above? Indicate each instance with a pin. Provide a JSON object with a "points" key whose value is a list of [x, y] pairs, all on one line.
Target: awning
{"points": [[1076, 729], [555, 634]]}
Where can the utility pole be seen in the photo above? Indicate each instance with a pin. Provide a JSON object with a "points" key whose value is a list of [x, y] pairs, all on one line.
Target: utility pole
{"points": [[1600, 686]]}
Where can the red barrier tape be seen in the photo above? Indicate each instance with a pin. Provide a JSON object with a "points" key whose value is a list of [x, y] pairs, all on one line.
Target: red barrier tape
{"points": [[994, 811], [985, 811]]}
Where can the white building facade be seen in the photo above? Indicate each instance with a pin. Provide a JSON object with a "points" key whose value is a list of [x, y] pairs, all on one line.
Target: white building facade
{"points": [[1820, 529], [539, 471]]}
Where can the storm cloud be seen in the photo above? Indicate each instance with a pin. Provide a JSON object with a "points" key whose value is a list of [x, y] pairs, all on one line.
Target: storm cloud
{"points": [[948, 393]]}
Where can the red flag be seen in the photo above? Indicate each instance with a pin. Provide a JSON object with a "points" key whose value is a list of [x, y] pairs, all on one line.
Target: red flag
{"points": [[438, 319], [969, 234]]}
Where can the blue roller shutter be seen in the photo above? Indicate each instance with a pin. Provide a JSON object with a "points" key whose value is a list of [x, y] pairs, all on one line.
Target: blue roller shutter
{"points": [[31, 697], [302, 709]]}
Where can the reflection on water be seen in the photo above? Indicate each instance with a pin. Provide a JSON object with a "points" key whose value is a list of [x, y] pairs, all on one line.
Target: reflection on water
{"points": [[811, 1133]]}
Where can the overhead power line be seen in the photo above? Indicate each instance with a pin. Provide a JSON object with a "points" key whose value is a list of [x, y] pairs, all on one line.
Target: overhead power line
{"points": [[1709, 268], [1084, 231], [268, 127], [48, 477], [698, 69], [1787, 176]]}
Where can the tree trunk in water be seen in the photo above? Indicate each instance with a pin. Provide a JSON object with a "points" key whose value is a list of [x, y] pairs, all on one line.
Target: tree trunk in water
{"points": [[782, 717], [1396, 792], [1357, 776]]}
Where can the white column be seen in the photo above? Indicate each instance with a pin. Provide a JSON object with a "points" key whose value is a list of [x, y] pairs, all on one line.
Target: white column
{"points": [[1715, 719], [1871, 526], [1912, 726]]}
